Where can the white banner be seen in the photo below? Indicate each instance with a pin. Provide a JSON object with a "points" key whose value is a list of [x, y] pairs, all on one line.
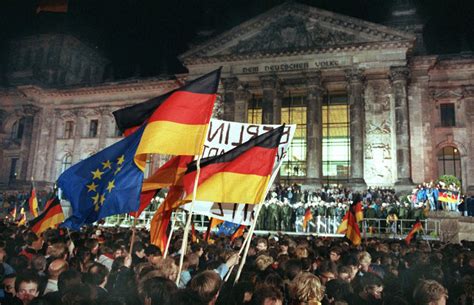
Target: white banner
{"points": [[224, 136]]}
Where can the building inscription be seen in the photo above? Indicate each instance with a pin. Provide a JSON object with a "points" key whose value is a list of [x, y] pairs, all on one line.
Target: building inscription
{"points": [[298, 66]]}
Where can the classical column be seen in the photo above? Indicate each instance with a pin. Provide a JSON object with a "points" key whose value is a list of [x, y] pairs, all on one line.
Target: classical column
{"points": [[242, 97], [29, 141], [271, 101], [78, 134], [355, 88], [399, 78], [106, 118], [230, 88], [314, 146], [49, 169]]}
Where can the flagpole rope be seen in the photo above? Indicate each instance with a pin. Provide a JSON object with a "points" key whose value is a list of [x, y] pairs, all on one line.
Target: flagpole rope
{"points": [[169, 237], [188, 222]]}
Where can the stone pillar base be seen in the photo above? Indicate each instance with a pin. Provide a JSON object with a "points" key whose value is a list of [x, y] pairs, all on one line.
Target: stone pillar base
{"points": [[357, 184], [453, 228]]}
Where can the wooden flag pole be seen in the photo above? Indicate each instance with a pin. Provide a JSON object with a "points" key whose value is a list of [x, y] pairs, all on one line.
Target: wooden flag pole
{"points": [[188, 222], [246, 240], [132, 240], [169, 237]]}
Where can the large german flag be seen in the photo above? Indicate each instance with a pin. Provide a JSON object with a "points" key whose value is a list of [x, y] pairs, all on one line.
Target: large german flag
{"points": [[240, 175], [176, 122], [51, 217], [171, 173]]}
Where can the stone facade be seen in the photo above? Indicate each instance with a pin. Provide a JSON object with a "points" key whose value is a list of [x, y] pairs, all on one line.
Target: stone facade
{"points": [[394, 98]]}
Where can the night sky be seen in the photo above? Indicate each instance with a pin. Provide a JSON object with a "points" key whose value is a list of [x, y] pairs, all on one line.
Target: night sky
{"points": [[144, 37]]}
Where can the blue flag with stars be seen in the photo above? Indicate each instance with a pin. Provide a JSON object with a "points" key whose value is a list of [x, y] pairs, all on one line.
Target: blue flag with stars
{"points": [[227, 228], [104, 184]]}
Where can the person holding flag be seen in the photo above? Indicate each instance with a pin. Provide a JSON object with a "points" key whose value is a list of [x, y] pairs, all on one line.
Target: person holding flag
{"points": [[350, 223], [412, 235]]}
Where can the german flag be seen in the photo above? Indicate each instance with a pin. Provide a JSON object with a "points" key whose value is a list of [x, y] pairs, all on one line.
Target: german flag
{"points": [[145, 199], [239, 232], [307, 217], [240, 175], [22, 220], [193, 233], [171, 173], [33, 203], [159, 229], [448, 196], [50, 218], [417, 227], [213, 222], [53, 6], [176, 123], [350, 228], [161, 219]]}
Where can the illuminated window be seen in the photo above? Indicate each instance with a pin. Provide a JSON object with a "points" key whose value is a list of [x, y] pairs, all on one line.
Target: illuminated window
{"points": [[448, 118], [293, 111], [254, 113], [449, 162], [336, 163], [69, 129]]}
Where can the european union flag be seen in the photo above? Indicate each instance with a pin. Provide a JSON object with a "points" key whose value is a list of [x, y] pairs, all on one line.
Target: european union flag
{"points": [[104, 184], [227, 228]]}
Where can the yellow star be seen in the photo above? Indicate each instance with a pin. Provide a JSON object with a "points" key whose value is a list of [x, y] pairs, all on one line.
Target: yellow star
{"points": [[97, 207], [117, 170], [120, 160], [97, 174], [102, 199], [92, 187], [111, 185], [96, 198], [107, 164]]}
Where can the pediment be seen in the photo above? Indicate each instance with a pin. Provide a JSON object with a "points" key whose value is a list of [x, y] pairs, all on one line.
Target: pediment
{"points": [[293, 27]]}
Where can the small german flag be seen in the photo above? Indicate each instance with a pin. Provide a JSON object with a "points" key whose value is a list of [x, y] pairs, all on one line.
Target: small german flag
{"points": [[33, 203], [240, 175], [307, 217], [50, 218], [350, 228], [448, 196], [417, 227]]}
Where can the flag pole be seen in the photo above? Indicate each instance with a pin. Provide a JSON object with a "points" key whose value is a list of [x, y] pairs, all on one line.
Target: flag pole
{"points": [[188, 222], [246, 240], [169, 237], [132, 240], [252, 227]]}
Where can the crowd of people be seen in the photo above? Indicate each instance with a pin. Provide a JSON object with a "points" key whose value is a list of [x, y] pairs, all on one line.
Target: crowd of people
{"points": [[96, 266]]}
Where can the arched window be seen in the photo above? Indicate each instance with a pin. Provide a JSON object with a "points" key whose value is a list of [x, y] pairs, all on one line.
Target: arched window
{"points": [[17, 129], [67, 161], [449, 162]]}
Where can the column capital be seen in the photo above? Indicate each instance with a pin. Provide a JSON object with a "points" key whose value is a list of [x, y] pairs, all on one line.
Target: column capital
{"points": [[230, 83], [313, 79], [268, 81], [355, 76], [30, 110], [399, 73]]}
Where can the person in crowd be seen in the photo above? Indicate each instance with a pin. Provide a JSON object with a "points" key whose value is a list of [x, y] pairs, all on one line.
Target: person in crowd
{"points": [[429, 292], [27, 287], [54, 270], [306, 289]]}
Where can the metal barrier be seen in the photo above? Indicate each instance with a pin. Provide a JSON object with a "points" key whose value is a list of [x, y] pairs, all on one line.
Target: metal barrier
{"points": [[323, 226]]}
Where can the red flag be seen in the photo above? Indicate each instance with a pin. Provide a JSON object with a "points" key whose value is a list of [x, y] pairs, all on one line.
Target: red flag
{"points": [[145, 199], [193, 233], [239, 232]]}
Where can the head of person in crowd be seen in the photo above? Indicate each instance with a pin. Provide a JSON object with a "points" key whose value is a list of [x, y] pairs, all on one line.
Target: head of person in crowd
{"points": [[344, 273], [306, 288], [151, 252], [292, 268], [156, 291], [197, 248], [34, 244], [206, 285], [351, 261], [138, 255], [27, 287], [9, 284], [57, 250], [97, 275], [337, 291], [167, 268], [370, 288], [262, 262], [186, 297], [364, 261], [327, 271], [429, 292], [92, 245], [267, 295], [241, 293], [56, 268], [335, 254], [79, 294], [68, 279], [38, 264], [261, 245]]}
